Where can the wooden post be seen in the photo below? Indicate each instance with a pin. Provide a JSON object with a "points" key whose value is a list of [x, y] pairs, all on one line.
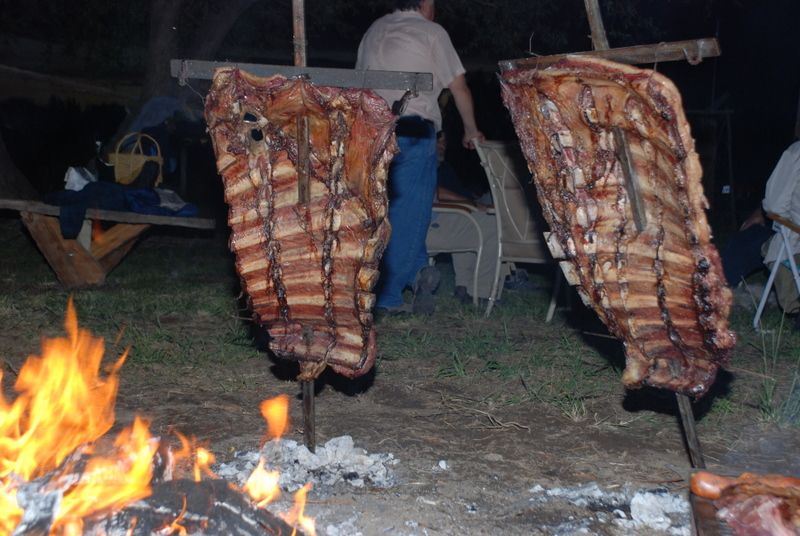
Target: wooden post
{"points": [[309, 417], [299, 27], [599, 39], [690, 431], [600, 42], [303, 198]]}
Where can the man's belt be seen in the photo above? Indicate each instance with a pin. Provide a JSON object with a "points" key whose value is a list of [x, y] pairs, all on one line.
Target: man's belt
{"points": [[414, 126]]}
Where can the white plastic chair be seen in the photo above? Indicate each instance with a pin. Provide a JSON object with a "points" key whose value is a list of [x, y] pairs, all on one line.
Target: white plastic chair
{"points": [[785, 228], [518, 234], [466, 212]]}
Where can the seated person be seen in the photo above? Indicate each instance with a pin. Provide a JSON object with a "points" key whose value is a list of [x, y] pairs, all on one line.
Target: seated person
{"points": [[450, 231], [742, 255]]}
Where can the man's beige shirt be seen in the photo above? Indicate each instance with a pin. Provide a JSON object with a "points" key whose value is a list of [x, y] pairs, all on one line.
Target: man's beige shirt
{"points": [[407, 41]]}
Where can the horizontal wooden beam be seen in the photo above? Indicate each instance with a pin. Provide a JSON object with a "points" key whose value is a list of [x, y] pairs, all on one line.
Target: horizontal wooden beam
{"points": [[110, 215], [323, 76], [693, 51]]}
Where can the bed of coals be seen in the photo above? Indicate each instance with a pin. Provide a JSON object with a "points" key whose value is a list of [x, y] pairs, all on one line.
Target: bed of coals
{"points": [[340, 468]]}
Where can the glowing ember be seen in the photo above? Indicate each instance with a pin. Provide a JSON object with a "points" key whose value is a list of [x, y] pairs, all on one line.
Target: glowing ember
{"points": [[47, 444]]}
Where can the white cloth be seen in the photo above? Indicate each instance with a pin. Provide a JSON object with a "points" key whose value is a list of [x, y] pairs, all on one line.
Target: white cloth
{"points": [[77, 177], [782, 197], [407, 41], [169, 199]]}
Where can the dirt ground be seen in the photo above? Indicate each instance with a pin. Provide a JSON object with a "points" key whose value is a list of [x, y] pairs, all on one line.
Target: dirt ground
{"points": [[496, 441], [494, 456]]}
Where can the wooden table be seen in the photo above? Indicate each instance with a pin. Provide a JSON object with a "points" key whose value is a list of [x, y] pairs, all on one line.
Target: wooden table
{"points": [[86, 261]]}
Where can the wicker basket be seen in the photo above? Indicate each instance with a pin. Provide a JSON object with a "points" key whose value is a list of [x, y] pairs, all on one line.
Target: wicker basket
{"points": [[130, 157]]}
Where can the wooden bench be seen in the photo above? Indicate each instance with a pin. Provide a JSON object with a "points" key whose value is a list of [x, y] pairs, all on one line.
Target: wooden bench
{"points": [[85, 261]]}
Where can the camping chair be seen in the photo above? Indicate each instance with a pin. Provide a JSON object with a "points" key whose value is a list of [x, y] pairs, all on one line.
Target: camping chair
{"points": [[785, 228], [465, 211], [518, 234]]}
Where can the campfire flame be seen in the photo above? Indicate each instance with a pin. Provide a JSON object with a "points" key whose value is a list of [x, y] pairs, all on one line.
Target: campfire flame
{"points": [[276, 412], [295, 517], [262, 485], [64, 405]]}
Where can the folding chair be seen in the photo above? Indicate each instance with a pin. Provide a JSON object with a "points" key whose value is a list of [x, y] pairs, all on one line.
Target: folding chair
{"points": [[465, 211], [785, 228], [518, 234]]}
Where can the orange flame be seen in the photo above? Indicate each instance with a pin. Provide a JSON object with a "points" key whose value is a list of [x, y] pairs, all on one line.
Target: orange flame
{"points": [[262, 485], [202, 464], [63, 402], [175, 527], [276, 412], [295, 517]]}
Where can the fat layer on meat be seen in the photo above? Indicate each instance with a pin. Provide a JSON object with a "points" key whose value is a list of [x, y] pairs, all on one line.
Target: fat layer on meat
{"points": [[661, 289], [308, 268]]}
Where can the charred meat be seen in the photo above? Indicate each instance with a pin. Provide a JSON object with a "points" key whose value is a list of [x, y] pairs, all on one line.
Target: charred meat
{"points": [[619, 183], [307, 251]]}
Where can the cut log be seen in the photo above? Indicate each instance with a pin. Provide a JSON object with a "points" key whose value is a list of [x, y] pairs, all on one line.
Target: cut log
{"points": [[205, 507]]}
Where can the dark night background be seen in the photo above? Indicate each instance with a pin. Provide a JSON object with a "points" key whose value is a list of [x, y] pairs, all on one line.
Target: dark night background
{"points": [[757, 78]]}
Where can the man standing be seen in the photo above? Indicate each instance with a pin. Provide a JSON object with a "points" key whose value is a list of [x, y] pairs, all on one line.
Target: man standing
{"points": [[408, 40]]}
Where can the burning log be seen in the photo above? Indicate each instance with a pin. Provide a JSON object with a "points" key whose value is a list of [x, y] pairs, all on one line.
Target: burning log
{"points": [[207, 507], [618, 179], [308, 221]]}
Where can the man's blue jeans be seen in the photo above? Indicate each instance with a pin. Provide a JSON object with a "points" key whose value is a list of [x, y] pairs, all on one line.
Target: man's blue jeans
{"points": [[412, 183]]}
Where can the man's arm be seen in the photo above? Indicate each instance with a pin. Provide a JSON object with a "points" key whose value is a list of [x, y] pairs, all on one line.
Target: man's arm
{"points": [[756, 218], [466, 109]]}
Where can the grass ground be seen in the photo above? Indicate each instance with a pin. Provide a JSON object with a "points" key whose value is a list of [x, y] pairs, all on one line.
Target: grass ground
{"points": [[175, 300]]}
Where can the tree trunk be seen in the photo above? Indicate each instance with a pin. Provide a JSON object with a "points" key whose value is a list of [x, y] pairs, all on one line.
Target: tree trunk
{"points": [[215, 28], [163, 46], [13, 184]]}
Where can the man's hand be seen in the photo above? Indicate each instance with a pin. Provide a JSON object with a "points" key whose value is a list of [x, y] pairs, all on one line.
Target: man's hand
{"points": [[470, 137], [756, 218]]}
